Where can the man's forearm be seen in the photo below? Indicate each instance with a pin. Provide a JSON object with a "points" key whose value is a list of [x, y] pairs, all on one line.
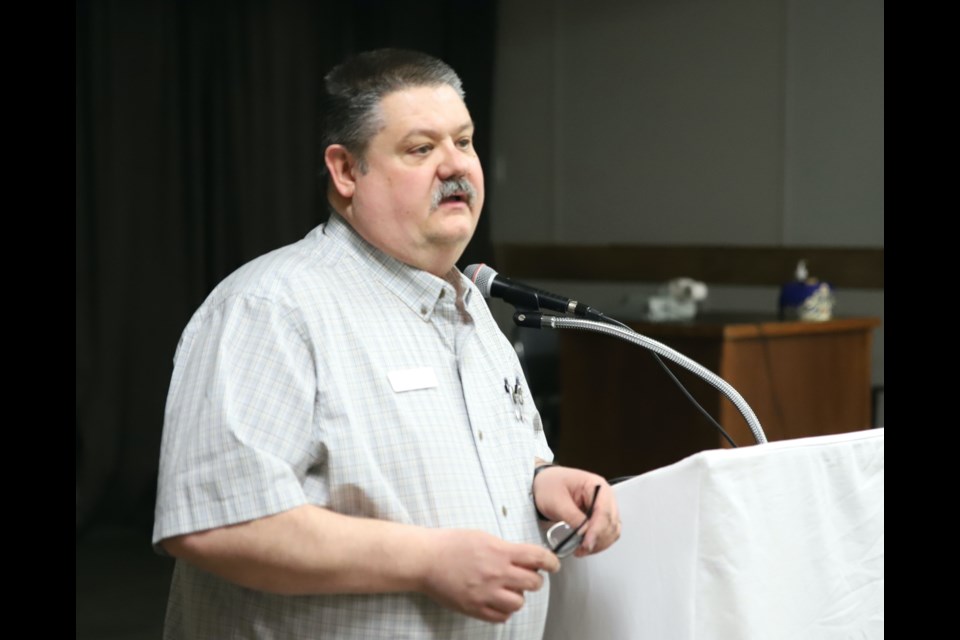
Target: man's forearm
{"points": [[311, 550]]}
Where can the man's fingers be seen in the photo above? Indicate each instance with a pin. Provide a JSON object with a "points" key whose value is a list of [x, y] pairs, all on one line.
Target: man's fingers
{"points": [[492, 615], [506, 601], [602, 531], [535, 558], [483, 576], [521, 580]]}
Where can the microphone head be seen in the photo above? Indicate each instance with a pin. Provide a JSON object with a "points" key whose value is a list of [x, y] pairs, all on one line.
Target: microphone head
{"points": [[482, 276]]}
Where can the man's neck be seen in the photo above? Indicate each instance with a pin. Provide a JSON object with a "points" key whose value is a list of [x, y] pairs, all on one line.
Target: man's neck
{"points": [[439, 263]]}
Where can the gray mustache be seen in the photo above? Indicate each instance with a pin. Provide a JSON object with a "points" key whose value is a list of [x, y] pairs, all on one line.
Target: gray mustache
{"points": [[452, 186]]}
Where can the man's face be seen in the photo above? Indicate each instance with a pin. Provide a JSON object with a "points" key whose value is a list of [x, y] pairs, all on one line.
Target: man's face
{"points": [[401, 204]]}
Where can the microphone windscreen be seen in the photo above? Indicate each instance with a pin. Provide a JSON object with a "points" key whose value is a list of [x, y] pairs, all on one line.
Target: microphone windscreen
{"points": [[482, 276]]}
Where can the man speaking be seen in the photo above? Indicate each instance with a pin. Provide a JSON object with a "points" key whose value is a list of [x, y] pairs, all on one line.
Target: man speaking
{"points": [[349, 446]]}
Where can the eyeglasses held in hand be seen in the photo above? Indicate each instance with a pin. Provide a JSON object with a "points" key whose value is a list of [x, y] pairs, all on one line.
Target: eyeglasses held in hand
{"points": [[564, 539]]}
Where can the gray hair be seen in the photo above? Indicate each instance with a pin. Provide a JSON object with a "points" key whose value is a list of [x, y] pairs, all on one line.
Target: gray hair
{"points": [[350, 106]]}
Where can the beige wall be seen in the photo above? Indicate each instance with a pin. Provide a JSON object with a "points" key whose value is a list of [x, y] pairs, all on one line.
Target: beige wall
{"points": [[691, 122]]}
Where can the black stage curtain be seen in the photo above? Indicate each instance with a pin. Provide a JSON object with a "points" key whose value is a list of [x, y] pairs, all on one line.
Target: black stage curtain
{"points": [[196, 151]]}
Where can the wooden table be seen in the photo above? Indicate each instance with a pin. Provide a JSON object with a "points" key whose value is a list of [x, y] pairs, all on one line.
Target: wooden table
{"points": [[621, 415]]}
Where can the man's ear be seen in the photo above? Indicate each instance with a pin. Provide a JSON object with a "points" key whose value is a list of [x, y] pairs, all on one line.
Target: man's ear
{"points": [[343, 169]]}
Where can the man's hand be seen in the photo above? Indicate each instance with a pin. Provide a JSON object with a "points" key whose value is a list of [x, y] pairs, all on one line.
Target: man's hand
{"points": [[563, 493], [483, 576]]}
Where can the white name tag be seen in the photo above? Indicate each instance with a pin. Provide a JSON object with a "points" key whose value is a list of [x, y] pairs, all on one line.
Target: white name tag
{"points": [[412, 379]]}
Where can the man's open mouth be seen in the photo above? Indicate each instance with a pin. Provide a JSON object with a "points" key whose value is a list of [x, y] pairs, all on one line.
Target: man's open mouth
{"points": [[454, 191]]}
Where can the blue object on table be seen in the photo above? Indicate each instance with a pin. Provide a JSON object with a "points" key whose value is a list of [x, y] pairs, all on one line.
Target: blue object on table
{"points": [[806, 298]]}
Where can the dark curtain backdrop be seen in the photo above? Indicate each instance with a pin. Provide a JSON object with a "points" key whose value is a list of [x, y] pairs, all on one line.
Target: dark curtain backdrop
{"points": [[196, 151]]}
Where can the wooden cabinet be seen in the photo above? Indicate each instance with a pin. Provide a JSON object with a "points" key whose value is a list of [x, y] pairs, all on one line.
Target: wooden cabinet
{"points": [[621, 414]]}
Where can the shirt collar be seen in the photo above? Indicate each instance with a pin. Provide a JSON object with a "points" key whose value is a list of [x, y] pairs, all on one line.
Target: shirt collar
{"points": [[418, 289]]}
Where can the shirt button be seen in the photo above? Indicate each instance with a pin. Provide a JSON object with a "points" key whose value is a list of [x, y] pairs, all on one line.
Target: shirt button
{"points": [[443, 292], [504, 510], [481, 435], [423, 310]]}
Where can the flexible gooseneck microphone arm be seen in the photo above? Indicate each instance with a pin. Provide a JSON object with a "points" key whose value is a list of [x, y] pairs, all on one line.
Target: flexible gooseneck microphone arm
{"points": [[543, 321]]}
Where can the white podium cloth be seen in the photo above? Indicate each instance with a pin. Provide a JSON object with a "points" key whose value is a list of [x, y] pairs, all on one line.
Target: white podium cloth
{"points": [[776, 541]]}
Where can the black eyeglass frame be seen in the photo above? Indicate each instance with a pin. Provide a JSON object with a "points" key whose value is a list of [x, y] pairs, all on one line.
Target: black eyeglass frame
{"points": [[558, 529]]}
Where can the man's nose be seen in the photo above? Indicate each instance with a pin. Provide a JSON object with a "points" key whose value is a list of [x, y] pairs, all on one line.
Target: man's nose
{"points": [[455, 162]]}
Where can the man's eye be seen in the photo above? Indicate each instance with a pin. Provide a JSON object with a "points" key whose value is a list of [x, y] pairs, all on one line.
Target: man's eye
{"points": [[421, 150], [464, 143]]}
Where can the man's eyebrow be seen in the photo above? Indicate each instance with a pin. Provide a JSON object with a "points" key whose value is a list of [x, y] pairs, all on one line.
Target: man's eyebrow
{"points": [[434, 133]]}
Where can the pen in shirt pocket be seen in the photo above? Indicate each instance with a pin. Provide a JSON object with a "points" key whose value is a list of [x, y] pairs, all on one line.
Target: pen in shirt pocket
{"points": [[516, 396]]}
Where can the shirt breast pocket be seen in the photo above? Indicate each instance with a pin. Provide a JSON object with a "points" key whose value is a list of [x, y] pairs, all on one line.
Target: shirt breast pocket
{"points": [[516, 424]]}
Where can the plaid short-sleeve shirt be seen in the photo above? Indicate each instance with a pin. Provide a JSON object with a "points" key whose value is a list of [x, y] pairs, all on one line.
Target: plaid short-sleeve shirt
{"points": [[328, 373]]}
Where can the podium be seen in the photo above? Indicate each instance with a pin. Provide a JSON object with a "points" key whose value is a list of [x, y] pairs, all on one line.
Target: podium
{"points": [[776, 541]]}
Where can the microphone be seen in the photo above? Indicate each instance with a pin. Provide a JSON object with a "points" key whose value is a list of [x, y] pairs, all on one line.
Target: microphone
{"points": [[521, 296]]}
